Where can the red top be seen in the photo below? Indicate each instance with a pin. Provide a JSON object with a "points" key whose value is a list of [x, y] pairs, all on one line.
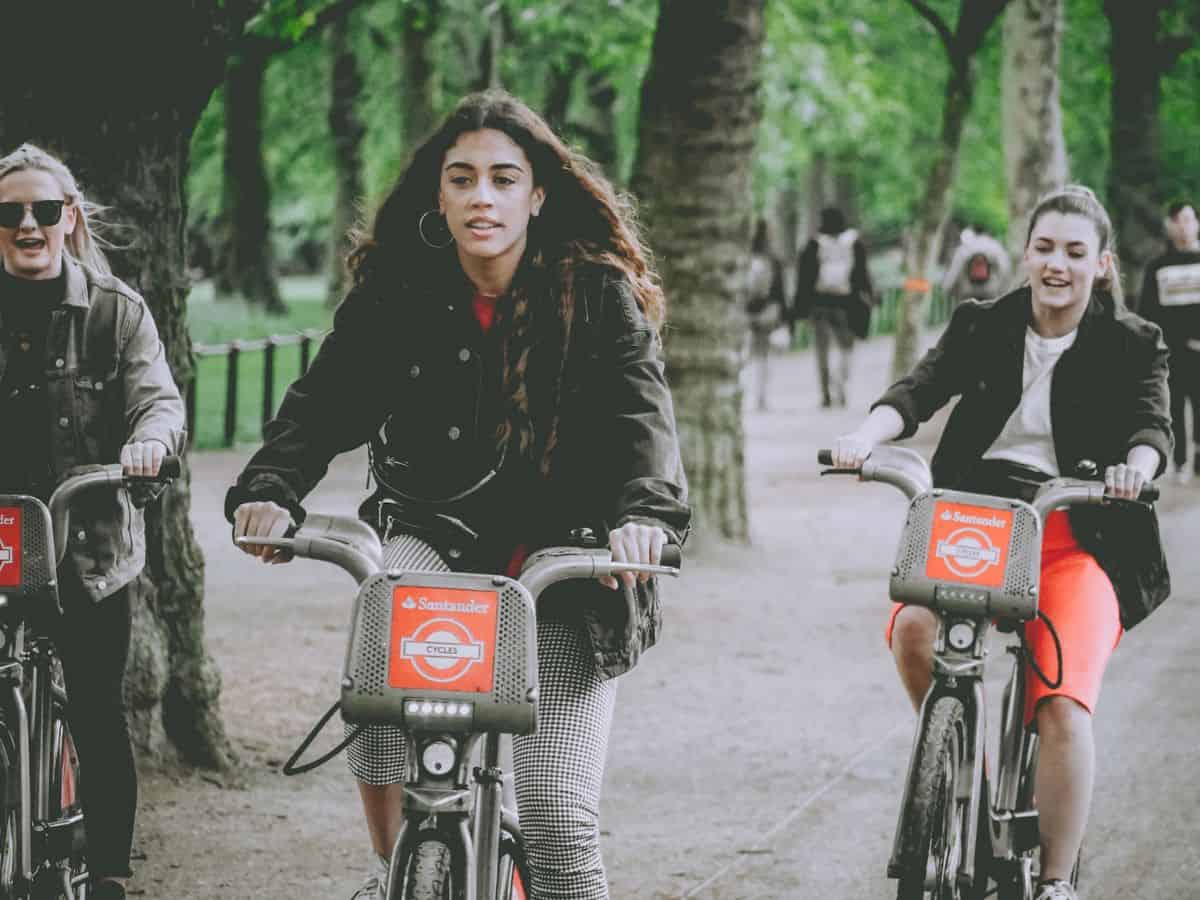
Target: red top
{"points": [[484, 307]]}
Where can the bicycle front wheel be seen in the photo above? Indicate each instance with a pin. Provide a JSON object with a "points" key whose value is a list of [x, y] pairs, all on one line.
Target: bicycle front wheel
{"points": [[427, 875], [9, 798], [933, 829]]}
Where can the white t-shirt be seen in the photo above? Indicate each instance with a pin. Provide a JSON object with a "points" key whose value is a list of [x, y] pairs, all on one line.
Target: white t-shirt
{"points": [[1027, 437]]}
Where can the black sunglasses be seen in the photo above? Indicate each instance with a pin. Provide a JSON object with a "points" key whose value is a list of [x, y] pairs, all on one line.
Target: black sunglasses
{"points": [[45, 212]]}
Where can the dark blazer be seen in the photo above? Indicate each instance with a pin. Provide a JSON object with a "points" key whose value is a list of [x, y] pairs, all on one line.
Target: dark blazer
{"points": [[1108, 394], [408, 368]]}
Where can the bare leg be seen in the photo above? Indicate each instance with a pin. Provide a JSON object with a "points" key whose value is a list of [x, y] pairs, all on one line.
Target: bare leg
{"points": [[912, 646], [1063, 785], [382, 808]]}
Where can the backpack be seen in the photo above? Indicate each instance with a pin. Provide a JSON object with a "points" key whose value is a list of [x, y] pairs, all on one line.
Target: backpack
{"points": [[835, 262], [760, 279], [979, 269]]}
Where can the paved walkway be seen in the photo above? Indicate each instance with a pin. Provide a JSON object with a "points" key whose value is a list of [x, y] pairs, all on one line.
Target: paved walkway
{"points": [[757, 752]]}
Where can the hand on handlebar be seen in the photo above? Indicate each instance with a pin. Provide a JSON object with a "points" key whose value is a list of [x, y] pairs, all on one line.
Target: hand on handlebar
{"points": [[851, 450], [262, 519], [634, 542], [1124, 481], [143, 458]]}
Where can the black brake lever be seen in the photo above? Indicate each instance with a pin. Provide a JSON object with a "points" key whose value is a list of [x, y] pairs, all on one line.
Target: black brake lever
{"points": [[836, 471]]}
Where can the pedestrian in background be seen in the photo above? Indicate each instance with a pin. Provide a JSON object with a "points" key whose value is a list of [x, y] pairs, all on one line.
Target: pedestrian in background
{"points": [[833, 290], [766, 310], [979, 268], [1171, 299]]}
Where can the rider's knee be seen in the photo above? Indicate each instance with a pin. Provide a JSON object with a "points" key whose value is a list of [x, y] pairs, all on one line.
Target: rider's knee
{"points": [[1063, 718], [913, 632]]}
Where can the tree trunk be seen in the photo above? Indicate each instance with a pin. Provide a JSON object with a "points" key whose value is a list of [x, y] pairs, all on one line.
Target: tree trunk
{"points": [[923, 241], [417, 70], [1135, 195], [599, 128], [698, 122], [246, 255], [560, 80], [347, 130], [125, 135], [1035, 154], [492, 46]]}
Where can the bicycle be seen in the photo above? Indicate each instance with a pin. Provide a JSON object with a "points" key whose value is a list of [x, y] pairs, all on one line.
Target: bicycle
{"points": [[43, 853], [450, 657], [974, 560]]}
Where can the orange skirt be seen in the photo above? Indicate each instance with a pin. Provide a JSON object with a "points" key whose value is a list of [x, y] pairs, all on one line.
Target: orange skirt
{"points": [[1078, 598]]}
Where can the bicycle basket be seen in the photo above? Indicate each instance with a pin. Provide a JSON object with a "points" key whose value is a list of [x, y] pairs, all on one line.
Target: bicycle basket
{"points": [[27, 563], [970, 554], [442, 651]]}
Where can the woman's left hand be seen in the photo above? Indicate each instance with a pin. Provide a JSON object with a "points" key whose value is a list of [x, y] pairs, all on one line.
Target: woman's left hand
{"points": [[142, 457], [1124, 481], [634, 542]]}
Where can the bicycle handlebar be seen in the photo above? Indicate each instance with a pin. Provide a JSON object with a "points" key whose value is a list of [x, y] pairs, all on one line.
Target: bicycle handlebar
{"points": [[907, 470], [354, 547], [59, 503]]}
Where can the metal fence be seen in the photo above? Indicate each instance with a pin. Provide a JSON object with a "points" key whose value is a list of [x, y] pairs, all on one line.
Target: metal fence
{"points": [[233, 352]]}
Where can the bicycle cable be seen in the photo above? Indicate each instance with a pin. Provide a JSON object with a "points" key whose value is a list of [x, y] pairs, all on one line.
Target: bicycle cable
{"points": [[291, 768], [1057, 650]]}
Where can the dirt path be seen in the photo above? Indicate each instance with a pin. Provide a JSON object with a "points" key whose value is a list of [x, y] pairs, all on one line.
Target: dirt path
{"points": [[757, 752]]}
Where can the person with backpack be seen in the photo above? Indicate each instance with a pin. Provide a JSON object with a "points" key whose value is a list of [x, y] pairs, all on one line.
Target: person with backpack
{"points": [[766, 309], [498, 352], [979, 269], [1171, 299], [834, 292]]}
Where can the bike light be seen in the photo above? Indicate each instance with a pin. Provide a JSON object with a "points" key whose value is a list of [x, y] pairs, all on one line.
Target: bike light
{"points": [[961, 635], [417, 711], [438, 757]]}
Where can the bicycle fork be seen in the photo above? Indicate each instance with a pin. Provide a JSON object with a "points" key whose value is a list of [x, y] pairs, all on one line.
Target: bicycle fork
{"points": [[961, 679], [472, 839]]}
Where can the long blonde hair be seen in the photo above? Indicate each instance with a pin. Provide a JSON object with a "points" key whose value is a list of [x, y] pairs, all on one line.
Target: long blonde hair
{"points": [[82, 244]]}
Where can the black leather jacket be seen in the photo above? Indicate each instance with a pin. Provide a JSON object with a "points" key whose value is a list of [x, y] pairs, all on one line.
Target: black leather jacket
{"points": [[1108, 393], [408, 369]]}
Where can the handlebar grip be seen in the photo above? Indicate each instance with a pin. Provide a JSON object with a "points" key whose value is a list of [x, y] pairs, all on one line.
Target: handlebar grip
{"points": [[672, 556], [170, 469], [825, 457]]}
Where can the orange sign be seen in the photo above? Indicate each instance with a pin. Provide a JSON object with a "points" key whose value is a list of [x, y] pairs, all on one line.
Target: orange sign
{"points": [[917, 286], [10, 546], [969, 544], [442, 639]]}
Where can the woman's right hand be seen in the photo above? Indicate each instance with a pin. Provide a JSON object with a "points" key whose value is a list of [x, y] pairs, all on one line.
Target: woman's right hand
{"points": [[262, 519], [851, 450]]}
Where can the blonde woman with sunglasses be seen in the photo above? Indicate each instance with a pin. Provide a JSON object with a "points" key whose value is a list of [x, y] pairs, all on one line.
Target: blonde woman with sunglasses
{"points": [[83, 379]]}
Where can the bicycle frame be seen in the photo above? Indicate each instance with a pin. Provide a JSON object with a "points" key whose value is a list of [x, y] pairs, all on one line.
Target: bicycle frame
{"points": [[958, 661], [457, 805], [28, 665]]}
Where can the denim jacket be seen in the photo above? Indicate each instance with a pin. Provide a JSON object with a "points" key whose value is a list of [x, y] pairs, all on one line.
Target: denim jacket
{"points": [[107, 384]]}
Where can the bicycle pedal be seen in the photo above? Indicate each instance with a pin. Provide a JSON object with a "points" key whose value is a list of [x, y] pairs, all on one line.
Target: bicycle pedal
{"points": [[1026, 835]]}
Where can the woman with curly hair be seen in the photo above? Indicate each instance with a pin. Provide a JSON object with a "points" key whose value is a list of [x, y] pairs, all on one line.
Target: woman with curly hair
{"points": [[498, 351]]}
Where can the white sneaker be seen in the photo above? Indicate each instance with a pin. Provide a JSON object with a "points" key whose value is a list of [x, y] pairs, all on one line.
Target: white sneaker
{"points": [[374, 886], [1056, 890]]}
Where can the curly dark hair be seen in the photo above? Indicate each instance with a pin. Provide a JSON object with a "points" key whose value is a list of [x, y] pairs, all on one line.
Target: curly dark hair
{"points": [[582, 221]]}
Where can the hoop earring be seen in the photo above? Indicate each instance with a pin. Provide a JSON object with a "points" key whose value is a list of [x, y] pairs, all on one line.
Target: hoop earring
{"points": [[428, 242]]}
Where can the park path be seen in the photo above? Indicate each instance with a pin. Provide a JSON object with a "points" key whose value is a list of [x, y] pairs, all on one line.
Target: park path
{"points": [[757, 751]]}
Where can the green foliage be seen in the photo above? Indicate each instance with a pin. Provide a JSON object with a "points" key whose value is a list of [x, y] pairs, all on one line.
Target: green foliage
{"points": [[860, 84]]}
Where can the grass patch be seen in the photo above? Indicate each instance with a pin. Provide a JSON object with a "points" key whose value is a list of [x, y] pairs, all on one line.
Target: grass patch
{"points": [[213, 321]]}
